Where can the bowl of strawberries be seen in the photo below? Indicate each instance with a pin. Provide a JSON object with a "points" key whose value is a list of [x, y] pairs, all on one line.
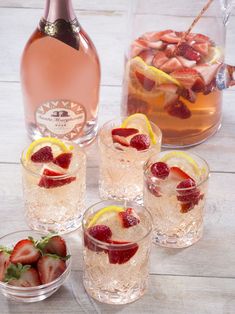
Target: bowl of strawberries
{"points": [[32, 267]]}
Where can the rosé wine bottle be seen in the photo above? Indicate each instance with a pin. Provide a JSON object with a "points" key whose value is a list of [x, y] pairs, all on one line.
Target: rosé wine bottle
{"points": [[60, 77]]}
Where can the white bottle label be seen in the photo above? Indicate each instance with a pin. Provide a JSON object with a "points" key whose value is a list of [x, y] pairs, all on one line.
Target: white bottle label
{"points": [[61, 118]]}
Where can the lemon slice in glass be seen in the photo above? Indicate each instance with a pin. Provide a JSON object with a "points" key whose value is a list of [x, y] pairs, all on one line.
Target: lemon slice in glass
{"points": [[102, 214], [184, 158], [141, 122], [56, 145]]}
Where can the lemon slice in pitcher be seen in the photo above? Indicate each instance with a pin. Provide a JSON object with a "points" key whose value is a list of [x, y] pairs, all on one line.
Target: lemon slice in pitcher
{"points": [[56, 145], [141, 122], [103, 214]]}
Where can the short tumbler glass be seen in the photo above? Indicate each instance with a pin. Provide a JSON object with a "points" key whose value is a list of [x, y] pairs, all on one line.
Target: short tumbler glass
{"points": [[121, 171], [107, 280], [58, 209], [178, 214]]}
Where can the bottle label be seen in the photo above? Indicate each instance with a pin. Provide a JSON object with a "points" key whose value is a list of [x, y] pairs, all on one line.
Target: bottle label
{"points": [[61, 118]]}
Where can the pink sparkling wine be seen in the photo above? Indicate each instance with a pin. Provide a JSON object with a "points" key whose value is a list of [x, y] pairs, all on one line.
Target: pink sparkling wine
{"points": [[60, 77]]}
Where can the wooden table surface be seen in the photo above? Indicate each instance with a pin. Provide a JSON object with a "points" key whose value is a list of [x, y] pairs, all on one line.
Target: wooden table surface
{"points": [[196, 280]]}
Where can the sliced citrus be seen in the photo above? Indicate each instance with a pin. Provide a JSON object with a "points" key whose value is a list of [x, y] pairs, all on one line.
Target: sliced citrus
{"points": [[140, 122], [103, 214], [173, 155], [215, 54], [57, 146], [137, 67]]}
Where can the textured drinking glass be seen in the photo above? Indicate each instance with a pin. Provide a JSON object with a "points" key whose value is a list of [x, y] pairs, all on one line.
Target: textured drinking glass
{"points": [[121, 170], [177, 212], [117, 273], [59, 206]]}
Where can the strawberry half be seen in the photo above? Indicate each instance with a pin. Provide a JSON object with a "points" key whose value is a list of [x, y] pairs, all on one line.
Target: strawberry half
{"points": [[178, 110], [4, 263], [186, 76], [171, 65], [129, 218], [50, 268], [140, 141], [122, 256], [48, 183], [53, 245], [99, 232], [44, 154], [120, 140], [159, 59], [146, 83], [63, 160], [178, 174], [188, 52], [125, 132], [24, 252], [22, 276], [170, 38]]}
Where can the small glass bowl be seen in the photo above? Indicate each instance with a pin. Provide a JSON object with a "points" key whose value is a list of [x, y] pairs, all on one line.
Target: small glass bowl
{"points": [[31, 294]]}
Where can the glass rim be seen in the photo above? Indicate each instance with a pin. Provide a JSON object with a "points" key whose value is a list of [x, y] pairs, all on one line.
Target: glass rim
{"points": [[198, 184], [62, 176], [116, 246], [42, 286], [159, 137]]}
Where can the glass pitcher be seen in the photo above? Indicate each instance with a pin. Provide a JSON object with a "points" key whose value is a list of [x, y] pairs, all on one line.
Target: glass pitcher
{"points": [[173, 76]]}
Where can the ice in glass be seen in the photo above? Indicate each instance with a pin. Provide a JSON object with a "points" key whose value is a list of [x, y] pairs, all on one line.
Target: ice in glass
{"points": [[54, 179], [117, 241], [175, 188], [124, 148]]}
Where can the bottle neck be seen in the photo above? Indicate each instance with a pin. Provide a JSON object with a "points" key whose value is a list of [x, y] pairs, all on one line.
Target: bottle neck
{"points": [[59, 9]]}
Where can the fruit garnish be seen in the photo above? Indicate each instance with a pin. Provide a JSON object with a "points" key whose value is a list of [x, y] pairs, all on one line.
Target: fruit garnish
{"points": [[186, 76], [160, 170], [178, 174], [125, 132], [49, 180], [52, 244], [189, 95], [171, 65], [24, 252], [147, 83], [147, 56], [123, 255], [140, 142], [159, 59], [50, 267], [179, 110], [142, 123], [159, 77], [174, 155], [185, 50], [44, 154], [207, 72], [188, 183], [63, 160], [4, 262], [100, 232], [202, 48], [185, 62], [120, 140], [200, 38], [129, 218], [170, 38], [56, 145], [22, 276], [106, 210]]}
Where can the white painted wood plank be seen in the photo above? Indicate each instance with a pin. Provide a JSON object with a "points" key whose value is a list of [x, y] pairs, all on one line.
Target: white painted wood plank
{"points": [[214, 255], [166, 295], [95, 5], [12, 124]]}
